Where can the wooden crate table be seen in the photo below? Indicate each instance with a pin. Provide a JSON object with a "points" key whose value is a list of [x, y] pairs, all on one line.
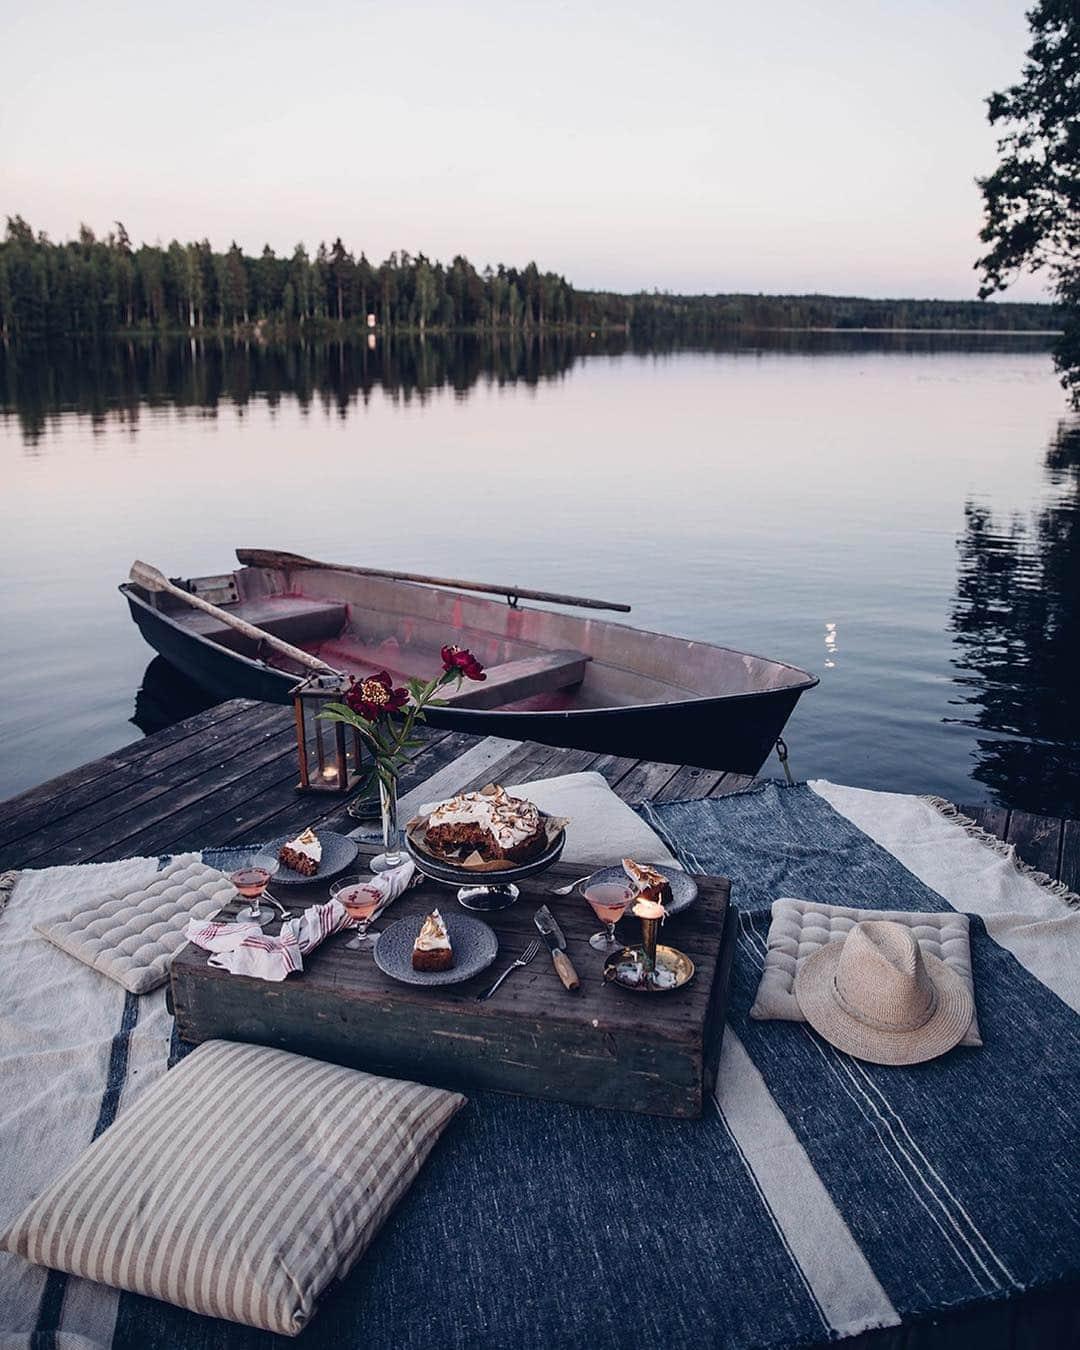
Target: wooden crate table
{"points": [[601, 1046]]}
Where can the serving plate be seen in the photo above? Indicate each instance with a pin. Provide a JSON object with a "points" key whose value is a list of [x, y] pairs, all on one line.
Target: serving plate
{"points": [[676, 967], [338, 852], [474, 944], [490, 889], [684, 889]]}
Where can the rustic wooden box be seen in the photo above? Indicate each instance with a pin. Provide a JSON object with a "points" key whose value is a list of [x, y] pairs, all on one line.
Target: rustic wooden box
{"points": [[599, 1047]]}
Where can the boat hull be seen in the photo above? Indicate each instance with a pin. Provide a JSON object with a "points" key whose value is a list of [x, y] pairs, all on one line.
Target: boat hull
{"points": [[734, 733]]}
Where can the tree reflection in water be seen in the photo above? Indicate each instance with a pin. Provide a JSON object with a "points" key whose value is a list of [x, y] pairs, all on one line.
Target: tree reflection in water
{"points": [[1016, 626]]}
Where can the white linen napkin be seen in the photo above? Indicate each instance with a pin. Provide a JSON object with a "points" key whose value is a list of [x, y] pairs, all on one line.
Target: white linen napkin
{"points": [[244, 949]]}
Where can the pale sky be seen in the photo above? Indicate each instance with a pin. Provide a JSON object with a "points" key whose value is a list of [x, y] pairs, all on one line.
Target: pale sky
{"points": [[796, 146]]}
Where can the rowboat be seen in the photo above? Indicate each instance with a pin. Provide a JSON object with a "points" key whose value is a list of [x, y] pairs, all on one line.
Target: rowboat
{"points": [[564, 679]]}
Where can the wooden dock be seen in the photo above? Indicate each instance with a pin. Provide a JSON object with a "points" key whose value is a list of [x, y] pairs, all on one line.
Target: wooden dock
{"points": [[229, 776]]}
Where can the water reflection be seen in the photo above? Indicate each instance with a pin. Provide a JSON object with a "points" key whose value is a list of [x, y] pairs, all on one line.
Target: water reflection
{"points": [[808, 485], [112, 382], [165, 697], [1016, 626]]}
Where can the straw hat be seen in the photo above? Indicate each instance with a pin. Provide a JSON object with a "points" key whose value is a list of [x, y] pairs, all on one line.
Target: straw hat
{"points": [[878, 997]]}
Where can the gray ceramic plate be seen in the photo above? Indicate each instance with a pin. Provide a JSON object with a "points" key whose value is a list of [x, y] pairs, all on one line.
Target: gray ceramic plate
{"points": [[475, 947], [338, 852], [683, 888]]}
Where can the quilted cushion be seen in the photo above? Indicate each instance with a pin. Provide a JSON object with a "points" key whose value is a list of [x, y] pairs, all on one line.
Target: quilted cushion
{"points": [[172, 1202], [132, 936], [800, 927]]}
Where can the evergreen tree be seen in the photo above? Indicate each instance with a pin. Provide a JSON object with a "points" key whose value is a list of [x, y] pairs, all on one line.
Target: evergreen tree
{"points": [[1032, 199], [98, 286]]}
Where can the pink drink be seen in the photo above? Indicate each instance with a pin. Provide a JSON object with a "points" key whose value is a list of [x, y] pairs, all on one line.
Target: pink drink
{"points": [[359, 901], [251, 881], [608, 900]]}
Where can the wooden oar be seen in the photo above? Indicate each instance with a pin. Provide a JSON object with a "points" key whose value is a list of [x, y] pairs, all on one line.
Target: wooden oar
{"points": [[150, 579], [265, 557]]}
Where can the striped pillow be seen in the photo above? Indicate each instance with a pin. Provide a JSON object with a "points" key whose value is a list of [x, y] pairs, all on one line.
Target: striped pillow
{"points": [[171, 1203]]}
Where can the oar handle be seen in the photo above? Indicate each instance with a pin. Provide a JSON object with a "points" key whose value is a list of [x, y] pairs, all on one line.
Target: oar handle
{"points": [[151, 579], [265, 557]]}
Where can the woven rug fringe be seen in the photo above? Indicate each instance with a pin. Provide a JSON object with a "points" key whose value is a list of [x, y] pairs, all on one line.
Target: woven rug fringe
{"points": [[1056, 888], [7, 885]]}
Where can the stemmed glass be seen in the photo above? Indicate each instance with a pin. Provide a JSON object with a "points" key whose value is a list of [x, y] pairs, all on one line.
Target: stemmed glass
{"points": [[360, 899], [608, 900], [251, 882]]}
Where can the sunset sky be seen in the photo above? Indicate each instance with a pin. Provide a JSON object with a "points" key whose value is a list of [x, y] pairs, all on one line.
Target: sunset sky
{"points": [[808, 145]]}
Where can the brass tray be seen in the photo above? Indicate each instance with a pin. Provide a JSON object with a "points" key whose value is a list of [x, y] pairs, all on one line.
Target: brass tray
{"points": [[668, 959]]}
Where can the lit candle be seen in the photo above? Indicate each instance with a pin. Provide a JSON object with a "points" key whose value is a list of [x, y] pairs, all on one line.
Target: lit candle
{"points": [[330, 773], [650, 912]]}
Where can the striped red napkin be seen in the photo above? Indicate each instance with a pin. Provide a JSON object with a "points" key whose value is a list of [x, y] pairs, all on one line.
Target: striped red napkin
{"points": [[244, 949]]}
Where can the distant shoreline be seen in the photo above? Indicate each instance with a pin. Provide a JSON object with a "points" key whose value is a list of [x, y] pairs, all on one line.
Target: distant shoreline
{"points": [[333, 330], [108, 287], [954, 332]]}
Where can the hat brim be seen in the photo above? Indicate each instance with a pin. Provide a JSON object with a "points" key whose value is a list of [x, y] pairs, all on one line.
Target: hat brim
{"points": [[945, 1028]]}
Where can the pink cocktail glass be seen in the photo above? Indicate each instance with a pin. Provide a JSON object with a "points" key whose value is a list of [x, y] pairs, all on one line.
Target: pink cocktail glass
{"points": [[608, 901], [360, 900], [251, 883]]}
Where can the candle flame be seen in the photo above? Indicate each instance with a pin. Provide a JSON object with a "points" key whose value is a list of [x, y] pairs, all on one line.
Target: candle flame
{"points": [[649, 909]]}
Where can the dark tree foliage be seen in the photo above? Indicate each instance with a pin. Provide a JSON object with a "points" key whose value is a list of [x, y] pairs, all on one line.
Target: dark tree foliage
{"points": [[1016, 627], [1032, 200], [99, 287]]}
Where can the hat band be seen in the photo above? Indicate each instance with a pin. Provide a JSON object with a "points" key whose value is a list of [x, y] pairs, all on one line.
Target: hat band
{"points": [[868, 1021]]}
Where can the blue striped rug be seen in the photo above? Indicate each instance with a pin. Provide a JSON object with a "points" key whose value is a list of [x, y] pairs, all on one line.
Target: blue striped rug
{"points": [[821, 1198]]}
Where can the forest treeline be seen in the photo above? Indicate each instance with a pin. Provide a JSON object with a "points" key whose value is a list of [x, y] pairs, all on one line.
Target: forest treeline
{"points": [[101, 286]]}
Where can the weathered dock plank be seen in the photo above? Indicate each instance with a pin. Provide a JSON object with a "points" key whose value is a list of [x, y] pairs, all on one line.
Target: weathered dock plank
{"points": [[228, 775], [1069, 871], [993, 819], [1037, 840], [65, 793]]}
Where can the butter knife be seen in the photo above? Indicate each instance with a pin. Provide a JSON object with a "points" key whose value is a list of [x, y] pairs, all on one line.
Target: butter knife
{"points": [[552, 934]]}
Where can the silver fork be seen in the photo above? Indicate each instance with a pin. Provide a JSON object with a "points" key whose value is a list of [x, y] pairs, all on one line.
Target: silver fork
{"points": [[523, 960]]}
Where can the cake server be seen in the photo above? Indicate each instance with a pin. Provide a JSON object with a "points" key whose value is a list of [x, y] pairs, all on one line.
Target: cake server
{"points": [[552, 934]]}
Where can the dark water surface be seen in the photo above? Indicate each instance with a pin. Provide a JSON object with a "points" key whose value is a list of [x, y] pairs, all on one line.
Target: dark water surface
{"points": [[899, 514]]}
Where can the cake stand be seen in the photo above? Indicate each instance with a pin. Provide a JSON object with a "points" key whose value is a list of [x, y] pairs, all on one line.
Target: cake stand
{"points": [[489, 890]]}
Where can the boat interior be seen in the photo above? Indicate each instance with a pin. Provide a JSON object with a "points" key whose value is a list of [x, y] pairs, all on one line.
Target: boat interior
{"points": [[536, 659]]}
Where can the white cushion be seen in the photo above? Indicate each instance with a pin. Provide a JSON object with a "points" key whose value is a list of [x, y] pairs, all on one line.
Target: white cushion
{"points": [[800, 927], [168, 1203], [602, 827], [132, 936]]}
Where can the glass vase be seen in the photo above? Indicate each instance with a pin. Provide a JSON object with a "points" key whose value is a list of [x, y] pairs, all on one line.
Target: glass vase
{"points": [[392, 855], [366, 804]]}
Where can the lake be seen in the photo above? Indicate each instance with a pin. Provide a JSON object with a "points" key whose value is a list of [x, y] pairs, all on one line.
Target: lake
{"points": [[900, 514]]}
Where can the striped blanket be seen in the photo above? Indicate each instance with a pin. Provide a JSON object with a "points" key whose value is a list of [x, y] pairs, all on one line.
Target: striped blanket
{"points": [[822, 1198]]}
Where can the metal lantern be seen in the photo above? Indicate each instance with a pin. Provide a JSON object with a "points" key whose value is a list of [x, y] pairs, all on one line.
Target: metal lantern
{"points": [[329, 752]]}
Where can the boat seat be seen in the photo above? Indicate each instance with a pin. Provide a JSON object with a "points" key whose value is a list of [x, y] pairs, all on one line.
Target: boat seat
{"points": [[515, 680], [295, 618]]}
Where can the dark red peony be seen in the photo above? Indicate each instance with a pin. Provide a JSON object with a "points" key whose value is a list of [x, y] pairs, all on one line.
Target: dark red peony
{"points": [[375, 696], [460, 658]]}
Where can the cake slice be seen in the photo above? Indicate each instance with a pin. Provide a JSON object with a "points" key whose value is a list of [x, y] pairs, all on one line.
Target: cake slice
{"points": [[432, 950], [302, 854], [648, 882]]}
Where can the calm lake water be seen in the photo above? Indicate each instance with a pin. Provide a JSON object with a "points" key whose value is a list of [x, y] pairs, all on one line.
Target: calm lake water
{"points": [[900, 515]]}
